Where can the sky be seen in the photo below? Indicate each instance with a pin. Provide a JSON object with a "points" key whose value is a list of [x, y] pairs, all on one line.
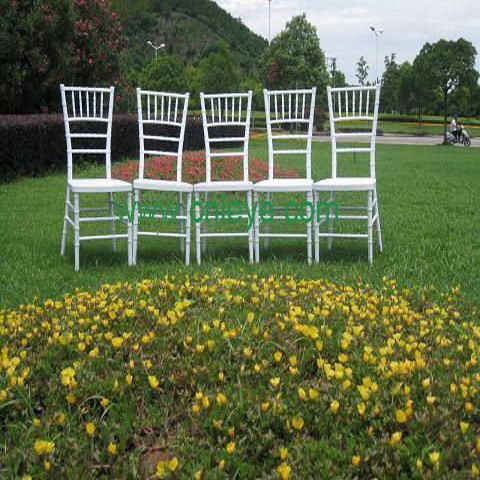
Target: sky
{"points": [[343, 25]]}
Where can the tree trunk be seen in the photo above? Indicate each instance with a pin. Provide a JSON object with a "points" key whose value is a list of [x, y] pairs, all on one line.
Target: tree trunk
{"points": [[445, 103]]}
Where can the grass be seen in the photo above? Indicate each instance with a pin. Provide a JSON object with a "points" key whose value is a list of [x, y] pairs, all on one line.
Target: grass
{"points": [[236, 371], [428, 195]]}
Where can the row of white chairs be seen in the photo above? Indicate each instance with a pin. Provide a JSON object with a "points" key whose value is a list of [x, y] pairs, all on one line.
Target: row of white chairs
{"points": [[84, 107]]}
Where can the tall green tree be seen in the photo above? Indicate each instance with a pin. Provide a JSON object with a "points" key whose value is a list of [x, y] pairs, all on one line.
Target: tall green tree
{"points": [[390, 84], [165, 73], [445, 66], [362, 71], [294, 57]]}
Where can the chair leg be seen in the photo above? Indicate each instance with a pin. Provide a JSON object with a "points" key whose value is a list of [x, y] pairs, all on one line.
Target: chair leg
{"points": [[330, 226], [76, 221], [370, 227], [251, 230], [135, 226], [205, 228], [181, 223], [188, 226], [66, 224], [316, 226], [198, 229], [309, 230], [130, 232], [377, 222], [112, 223], [257, 229], [266, 241]]}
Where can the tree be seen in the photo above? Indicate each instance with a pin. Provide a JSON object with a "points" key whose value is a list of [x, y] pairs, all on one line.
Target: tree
{"points": [[294, 58], [445, 66], [35, 53], [390, 84], [164, 74], [218, 71], [362, 71], [406, 88]]}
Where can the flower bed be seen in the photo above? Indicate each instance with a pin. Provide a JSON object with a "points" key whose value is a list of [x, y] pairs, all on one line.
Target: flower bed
{"points": [[216, 377], [228, 168]]}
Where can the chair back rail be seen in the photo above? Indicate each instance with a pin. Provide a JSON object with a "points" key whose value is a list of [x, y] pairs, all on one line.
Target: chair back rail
{"points": [[290, 107], [221, 111], [349, 104], [162, 109], [87, 106]]}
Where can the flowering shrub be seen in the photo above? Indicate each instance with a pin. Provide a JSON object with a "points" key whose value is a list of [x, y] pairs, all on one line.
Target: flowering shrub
{"points": [[214, 377], [228, 168]]}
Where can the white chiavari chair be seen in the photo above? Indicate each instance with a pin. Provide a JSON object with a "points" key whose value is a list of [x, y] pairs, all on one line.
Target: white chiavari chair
{"points": [[85, 111], [160, 112], [290, 108], [220, 112], [347, 105]]}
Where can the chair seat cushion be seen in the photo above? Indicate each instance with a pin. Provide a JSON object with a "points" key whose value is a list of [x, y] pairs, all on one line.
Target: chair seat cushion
{"points": [[345, 184], [284, 185], [231, 186], [162, 185], [94, 185]]}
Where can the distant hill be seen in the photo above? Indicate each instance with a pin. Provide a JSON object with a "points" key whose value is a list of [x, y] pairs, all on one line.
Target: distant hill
{"points": [[188, 28]]}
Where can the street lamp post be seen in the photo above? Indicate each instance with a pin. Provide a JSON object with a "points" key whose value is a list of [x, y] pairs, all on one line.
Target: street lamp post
{"points": [[269, 21], [156, 48], [377, 33]]}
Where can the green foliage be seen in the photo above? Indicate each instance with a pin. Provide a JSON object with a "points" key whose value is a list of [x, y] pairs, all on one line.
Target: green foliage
{"points": [[295, 59], [35, 53], [390, 84], [362, 71], [218, 71], [166, 73]]}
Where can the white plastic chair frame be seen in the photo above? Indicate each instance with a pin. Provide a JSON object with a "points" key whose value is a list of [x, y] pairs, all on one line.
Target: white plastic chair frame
{"points": [[347, 104], [85, 105], [163, 109], [224, 110], [287, 107]]}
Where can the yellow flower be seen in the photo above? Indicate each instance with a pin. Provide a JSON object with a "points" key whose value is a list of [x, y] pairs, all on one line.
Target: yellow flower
{"points": [[278, 356], [90, 428], [265, 406], [431, 399], [129, 379], [221, 399], [464, 427], [283, 453], [231, 447], [334, 406], [434, 458], [426, 383], [43, 447], [59, 418], [71, 399], [250, 317], [401, 416], [284, 471], [112, 448], [104, 402], [297, 422], [172, 464], [361, 408], [221, 464], [47, 465], [275, 382], [152, 379], [313, 394], [247, 351], [468, 407], [302, 394], [356, 460], [117, 342], [475, 471], [395, 438], [419, 464]]}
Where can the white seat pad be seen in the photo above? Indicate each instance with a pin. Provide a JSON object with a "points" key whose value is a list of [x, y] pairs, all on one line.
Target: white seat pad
{"points": [[232, 186], [162, 185], [284, 185], [355, 184], [99, 185]]}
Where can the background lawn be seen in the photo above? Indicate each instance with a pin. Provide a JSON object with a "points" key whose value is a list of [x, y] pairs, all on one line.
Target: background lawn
{"points": [[429, 200]]}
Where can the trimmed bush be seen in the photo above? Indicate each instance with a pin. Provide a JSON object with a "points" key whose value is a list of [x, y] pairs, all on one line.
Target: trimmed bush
{"points": [[35, 144]]}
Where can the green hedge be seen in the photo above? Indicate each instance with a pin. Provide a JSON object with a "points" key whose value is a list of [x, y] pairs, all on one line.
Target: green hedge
{"points": [[35, 144]]}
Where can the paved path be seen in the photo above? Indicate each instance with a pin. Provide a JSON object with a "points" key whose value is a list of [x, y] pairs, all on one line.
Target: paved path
{"points": [[403, 140]]}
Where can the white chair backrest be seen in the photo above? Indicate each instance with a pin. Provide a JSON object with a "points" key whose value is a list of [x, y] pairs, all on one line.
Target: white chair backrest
{"points": [[161, 109], [223, 111], [290, 107], [353, 104], [87, 107]]}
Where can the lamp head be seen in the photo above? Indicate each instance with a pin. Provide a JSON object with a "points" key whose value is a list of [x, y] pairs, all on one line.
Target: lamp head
{"points": [[381, 31], [372, 28], [149, 43]]}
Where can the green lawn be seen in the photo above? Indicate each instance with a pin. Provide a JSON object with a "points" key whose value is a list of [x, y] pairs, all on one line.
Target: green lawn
{"points": [[230, 370], [428, 195]]}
